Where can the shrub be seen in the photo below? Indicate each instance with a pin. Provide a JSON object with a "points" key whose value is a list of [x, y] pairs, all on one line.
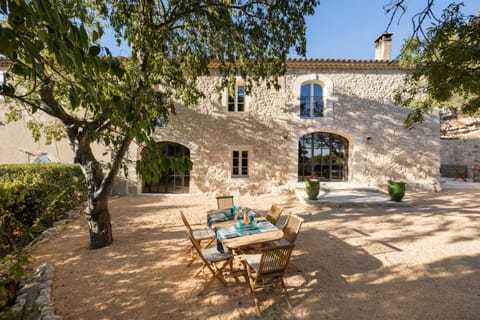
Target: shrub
{"points": [[33, 196]]}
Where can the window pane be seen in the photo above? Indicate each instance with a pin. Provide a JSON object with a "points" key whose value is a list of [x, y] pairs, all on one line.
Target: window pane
{"points": [[244, 171], [244, 162], [241, 91], [318, 107], [317, 90], [305, 106], [235, 171], [240, 98], [305, 90], [231, 103]]}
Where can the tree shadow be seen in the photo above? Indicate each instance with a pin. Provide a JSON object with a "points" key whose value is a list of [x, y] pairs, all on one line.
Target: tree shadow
{"points": [[349, 263]]}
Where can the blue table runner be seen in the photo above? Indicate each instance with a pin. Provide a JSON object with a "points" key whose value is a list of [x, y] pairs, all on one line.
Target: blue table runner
{"points": [[221, 216], [231, 231]]}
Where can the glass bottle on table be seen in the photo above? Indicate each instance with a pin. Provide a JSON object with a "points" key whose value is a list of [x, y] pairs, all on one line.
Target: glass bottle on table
{"points": [[237, 214], [246, 219]]}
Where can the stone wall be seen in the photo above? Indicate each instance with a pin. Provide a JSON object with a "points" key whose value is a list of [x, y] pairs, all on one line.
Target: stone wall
{"points": [[460, 152], [358, 106], [362, 111]]}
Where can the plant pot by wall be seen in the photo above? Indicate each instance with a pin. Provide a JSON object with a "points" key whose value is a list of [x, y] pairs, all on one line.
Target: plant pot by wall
{"points": [[313, 188], [396, 190]]}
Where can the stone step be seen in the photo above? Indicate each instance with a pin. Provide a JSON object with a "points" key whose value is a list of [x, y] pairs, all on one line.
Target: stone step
{"points": [[349, 195]]}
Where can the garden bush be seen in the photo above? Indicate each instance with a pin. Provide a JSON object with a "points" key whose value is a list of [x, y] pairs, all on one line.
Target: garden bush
{"points": [[33, 196]]}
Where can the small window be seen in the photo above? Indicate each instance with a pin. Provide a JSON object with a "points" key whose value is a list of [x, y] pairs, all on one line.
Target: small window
{"points": [[236, 102], [240, 164], [311, 100]]}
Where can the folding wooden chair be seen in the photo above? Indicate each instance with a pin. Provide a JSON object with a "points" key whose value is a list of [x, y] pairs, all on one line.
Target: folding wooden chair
{"points": [[214, 261], [224, 202], [291, 228], [199, 235], [274, 213], [266, 269]]}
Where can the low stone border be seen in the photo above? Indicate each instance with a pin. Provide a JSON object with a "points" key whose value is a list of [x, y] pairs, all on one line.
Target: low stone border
{"points": [[34, 296]]}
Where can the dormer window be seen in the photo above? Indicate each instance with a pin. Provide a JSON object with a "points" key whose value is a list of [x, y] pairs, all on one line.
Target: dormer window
{"points": [[311, 100], [236, 102]]}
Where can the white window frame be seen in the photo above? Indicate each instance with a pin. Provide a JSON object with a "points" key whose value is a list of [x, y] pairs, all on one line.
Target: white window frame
{"points": [[311, 85], [246, 98], [328, 97], [235, 99]]}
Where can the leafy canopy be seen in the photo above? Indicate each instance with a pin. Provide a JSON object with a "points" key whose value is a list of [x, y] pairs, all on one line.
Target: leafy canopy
{"points": [[445, 66], [60, 68]]}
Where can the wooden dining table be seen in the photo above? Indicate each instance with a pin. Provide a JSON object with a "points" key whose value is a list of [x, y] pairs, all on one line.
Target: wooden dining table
{"points": [[252, 239], [260, 232]]}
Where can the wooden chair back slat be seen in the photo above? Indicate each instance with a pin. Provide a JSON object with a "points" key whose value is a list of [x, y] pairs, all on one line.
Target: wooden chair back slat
{"points": [[224, 202], [274, 213], [292, 227]]}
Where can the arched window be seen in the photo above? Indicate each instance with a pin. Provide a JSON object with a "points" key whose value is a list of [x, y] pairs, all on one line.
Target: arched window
{"points": [[323, 155], [170, 181], [311, 100]]}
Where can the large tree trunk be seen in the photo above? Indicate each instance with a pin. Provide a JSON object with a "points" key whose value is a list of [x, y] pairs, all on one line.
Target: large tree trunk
{"points": [[100, 228], [96, 213]]}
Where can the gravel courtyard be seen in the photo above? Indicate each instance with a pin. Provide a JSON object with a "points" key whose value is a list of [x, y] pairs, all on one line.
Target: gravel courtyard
{"points": [[417, 262]]}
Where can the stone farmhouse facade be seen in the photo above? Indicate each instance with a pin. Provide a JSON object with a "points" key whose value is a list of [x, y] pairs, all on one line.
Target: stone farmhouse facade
{"points": [[333, 119]]}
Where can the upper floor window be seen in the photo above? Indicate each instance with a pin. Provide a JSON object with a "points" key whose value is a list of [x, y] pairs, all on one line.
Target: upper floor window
{"points": [[236, 102], [311, 100], [240, 163]]}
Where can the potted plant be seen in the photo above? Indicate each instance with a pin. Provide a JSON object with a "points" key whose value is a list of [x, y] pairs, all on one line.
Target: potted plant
{"points": [[396, 190], [313, 188]]}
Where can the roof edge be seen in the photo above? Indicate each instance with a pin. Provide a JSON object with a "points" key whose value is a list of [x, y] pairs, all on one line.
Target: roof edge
{"points": [[319, 63]]}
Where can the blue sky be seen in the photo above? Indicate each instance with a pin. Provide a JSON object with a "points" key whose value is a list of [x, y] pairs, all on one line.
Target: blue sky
{"points": [[347, 29]]}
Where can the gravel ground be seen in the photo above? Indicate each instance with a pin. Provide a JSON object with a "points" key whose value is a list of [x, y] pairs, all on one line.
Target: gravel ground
{"points": [[417, 262]]}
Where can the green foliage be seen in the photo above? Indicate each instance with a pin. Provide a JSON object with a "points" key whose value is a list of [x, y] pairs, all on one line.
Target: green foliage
{"points": [[445, 67], [59, 68], [34, 196], [56, 58], [12, 268], [154, 160]]}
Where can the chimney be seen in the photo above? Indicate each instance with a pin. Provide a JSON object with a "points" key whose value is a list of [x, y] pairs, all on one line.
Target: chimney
{"points": [[383, 46]]}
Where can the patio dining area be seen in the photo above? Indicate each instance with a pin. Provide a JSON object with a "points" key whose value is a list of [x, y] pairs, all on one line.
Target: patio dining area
{"points": [[249, 243], [419, 261]]}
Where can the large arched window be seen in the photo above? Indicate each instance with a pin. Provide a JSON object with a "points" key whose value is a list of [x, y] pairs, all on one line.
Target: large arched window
{"points": [[323, 155], [311, 100], [170, 181]]}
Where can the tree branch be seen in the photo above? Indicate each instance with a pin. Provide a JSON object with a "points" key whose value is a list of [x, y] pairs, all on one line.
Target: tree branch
{"points": [[47, 97]]}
